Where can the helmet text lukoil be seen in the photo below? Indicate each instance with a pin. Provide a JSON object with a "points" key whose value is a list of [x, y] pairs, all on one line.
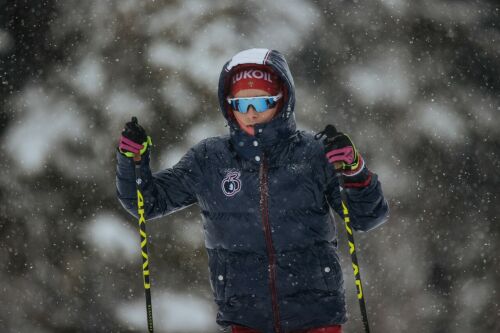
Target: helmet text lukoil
{"points": [[252, 74]]}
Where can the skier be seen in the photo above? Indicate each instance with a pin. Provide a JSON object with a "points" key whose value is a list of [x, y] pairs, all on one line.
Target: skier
{"points": [[264, 192]]}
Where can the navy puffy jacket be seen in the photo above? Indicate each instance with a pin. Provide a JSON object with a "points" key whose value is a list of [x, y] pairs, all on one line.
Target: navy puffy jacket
{"points": [[265, 201]]}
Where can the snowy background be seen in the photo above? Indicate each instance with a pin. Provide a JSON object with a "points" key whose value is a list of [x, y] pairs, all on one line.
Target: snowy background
{"points": [[415, 83]]}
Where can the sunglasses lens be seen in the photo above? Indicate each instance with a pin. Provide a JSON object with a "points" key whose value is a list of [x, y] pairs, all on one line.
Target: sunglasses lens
{"points": [[235, 105], [260, 104]]}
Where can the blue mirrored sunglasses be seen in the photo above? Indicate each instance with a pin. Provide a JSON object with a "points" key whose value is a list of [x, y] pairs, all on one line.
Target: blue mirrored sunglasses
{"points": [[260, 104]]}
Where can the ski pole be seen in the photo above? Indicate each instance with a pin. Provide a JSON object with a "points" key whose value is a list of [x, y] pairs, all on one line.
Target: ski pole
{"points": [[354, 257], [144, 241], [330, 132]]}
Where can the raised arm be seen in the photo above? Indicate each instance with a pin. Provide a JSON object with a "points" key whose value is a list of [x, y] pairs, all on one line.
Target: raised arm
{"points": [[164, 192]]}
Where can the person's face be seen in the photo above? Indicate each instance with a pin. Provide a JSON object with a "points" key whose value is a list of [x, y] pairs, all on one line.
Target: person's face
{"points": [[252, 117]]}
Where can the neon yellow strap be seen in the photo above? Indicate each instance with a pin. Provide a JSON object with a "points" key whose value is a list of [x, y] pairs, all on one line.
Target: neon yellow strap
{"points": [[355, 165], [145, 144]]}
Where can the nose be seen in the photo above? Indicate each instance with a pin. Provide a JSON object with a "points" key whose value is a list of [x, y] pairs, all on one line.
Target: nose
{"points": [[251, 112]]}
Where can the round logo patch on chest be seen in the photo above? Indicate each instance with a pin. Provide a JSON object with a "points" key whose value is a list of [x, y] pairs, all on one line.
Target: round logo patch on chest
{"points": [[231, 184]]}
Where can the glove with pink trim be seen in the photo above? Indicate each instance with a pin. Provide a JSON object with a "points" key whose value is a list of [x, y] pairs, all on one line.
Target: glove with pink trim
{"points": [[343, 155], [133, 140]]}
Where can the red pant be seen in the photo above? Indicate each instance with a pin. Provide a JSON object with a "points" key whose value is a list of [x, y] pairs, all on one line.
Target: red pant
{"points": [[329, 329]]}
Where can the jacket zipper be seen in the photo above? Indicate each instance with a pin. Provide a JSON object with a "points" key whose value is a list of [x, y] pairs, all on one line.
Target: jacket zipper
{"points": [[271, 254]]}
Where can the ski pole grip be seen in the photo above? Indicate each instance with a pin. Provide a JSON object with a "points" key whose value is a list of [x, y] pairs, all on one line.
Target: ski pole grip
{"points": [[330, 131]]}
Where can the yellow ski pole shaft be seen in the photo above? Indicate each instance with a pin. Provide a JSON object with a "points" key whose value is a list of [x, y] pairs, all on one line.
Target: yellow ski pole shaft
{"points": [[352, 251], [144, 243]]}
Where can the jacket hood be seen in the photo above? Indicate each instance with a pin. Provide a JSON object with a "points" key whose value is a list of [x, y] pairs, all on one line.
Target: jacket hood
{"points": [[268, 134]]}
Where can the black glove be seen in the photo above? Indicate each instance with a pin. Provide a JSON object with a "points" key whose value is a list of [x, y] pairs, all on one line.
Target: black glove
{"points": [[340, 150], [134, 140], [343, 155]]}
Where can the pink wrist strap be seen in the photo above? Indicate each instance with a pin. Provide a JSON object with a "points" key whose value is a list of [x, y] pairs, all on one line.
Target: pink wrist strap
{"points": [[345, 154], [129, 145]]}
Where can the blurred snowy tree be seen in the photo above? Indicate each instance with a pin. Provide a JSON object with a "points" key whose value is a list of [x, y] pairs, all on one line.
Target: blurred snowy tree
{"points": [[415, 83]]}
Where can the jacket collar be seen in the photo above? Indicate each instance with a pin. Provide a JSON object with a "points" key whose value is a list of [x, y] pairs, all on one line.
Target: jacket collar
{"points": [[269, 138]]}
